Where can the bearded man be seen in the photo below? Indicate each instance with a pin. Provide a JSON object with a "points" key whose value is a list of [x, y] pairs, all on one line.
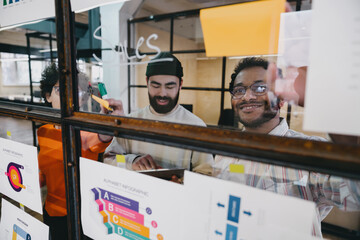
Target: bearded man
{"points": [[164, 81]]}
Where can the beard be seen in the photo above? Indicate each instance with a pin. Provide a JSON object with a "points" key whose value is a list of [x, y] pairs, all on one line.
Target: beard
{"points": [[266, 116], [163, 108]]}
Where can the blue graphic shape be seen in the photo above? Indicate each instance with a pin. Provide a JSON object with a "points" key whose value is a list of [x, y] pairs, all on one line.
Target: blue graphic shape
{"points": [[234, 209], [218, 233], [19, 231], [231, 232], [220, 205], [148, 211], [247, 213]]}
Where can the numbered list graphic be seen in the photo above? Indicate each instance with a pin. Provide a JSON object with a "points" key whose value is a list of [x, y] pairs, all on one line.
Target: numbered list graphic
{"points": [[121, 215]]}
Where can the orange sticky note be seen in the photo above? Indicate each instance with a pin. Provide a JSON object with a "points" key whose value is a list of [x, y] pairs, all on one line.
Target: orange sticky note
{"points": [[242, 29]]}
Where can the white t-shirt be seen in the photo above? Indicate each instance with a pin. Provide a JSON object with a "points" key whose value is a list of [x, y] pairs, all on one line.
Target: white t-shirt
{"points": [[165, 156]]}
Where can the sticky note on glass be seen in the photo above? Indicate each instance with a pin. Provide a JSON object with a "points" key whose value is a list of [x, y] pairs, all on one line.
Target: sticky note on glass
{"points": [[236, 168], [8, 133], [120, 158], [242, 29]]}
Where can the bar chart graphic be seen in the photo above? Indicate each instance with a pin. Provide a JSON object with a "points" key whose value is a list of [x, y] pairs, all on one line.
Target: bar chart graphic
{"points": [[9, 2]]}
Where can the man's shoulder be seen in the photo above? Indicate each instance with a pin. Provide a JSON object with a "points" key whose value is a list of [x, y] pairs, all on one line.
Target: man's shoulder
{"points": [[189, 117], [140, 113], [295, 134], [46, 128]]}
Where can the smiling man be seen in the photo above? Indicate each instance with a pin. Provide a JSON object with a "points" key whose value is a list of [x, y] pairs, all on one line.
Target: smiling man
{"points": [[250, 97], [258, 109], [164, 81]]}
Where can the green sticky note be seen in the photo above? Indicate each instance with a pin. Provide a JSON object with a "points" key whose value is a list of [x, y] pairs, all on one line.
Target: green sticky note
{"points": [[236, 168], [120, 158]]}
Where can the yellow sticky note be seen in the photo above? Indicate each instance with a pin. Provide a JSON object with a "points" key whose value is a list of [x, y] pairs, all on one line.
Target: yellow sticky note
{"points": [[120, 158], [236, 168], [242, 29], [8, 133]]}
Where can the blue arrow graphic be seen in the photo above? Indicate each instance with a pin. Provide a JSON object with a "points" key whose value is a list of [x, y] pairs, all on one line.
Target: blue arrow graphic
{"points": [[218, 233], [221, 205], [247, 213]]}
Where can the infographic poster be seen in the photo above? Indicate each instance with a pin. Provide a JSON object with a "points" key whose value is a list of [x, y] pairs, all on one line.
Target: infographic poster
{"points": [[122, 204], [18, 225], [19, 173], [231, 211], [14, 12]]}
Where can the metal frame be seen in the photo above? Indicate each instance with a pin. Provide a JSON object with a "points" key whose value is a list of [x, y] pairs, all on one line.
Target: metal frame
{"points": [[341, 160]]}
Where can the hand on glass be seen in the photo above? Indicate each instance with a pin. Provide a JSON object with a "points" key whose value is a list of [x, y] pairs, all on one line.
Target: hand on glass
{"points": [[292, 87], [144, 162], [116, 105], [118, 110]]}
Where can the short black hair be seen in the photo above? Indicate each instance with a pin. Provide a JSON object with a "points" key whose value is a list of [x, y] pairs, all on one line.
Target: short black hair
{"points": [[49, 77], [247, 63]]}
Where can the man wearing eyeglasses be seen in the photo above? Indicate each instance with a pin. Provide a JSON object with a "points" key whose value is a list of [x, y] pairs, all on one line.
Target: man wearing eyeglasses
{"points": [[258, 109]]}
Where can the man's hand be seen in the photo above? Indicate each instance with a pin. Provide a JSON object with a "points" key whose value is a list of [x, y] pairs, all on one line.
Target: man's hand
{"points": [[145, 162], [117, 106], [292, 87]]}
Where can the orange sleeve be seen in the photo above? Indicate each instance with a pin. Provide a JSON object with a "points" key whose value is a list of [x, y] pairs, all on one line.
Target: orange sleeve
{"points": [[42, 179], [91, 142]]}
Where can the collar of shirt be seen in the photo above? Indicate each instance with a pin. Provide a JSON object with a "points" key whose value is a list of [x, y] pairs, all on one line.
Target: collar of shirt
{"points": [[281, 129]]}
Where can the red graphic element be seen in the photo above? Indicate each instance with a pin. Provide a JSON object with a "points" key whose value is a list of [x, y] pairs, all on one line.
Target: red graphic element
{"points": [[14, 176], [154, 224]]}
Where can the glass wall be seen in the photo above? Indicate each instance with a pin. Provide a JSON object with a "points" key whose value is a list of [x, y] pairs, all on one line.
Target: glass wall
{"points": [[209, 116]]}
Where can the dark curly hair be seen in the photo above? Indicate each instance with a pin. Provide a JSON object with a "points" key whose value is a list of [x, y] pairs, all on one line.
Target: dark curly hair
{"points": [[247, 63], [49, 77]]}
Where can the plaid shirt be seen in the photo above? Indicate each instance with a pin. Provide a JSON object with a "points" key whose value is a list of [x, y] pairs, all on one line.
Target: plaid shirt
{"points": [[326, 191]]}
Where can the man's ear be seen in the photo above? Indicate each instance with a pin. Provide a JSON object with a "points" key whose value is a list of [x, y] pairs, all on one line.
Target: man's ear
{"points": [[48, 97], [181, 83]]}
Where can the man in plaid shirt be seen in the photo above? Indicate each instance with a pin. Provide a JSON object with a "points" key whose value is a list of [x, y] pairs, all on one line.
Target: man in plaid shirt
{"points": [[259, 112]]}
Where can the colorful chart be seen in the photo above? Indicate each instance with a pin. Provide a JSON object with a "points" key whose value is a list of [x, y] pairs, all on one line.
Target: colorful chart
{"points": [[121, 215], [19, 231], [14, 176], [10, 2]]}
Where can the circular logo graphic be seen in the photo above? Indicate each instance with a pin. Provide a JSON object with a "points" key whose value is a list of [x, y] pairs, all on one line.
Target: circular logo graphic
{"points": [[14, 176], [148, 211], [154, 224]]}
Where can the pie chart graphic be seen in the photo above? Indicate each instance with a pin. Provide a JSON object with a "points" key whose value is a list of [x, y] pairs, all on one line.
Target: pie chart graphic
{"points": [[14, 176]]}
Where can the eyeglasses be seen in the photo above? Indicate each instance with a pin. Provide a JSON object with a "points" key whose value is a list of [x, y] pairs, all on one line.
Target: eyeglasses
{"points": [[57, 89], [258, 89]]}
